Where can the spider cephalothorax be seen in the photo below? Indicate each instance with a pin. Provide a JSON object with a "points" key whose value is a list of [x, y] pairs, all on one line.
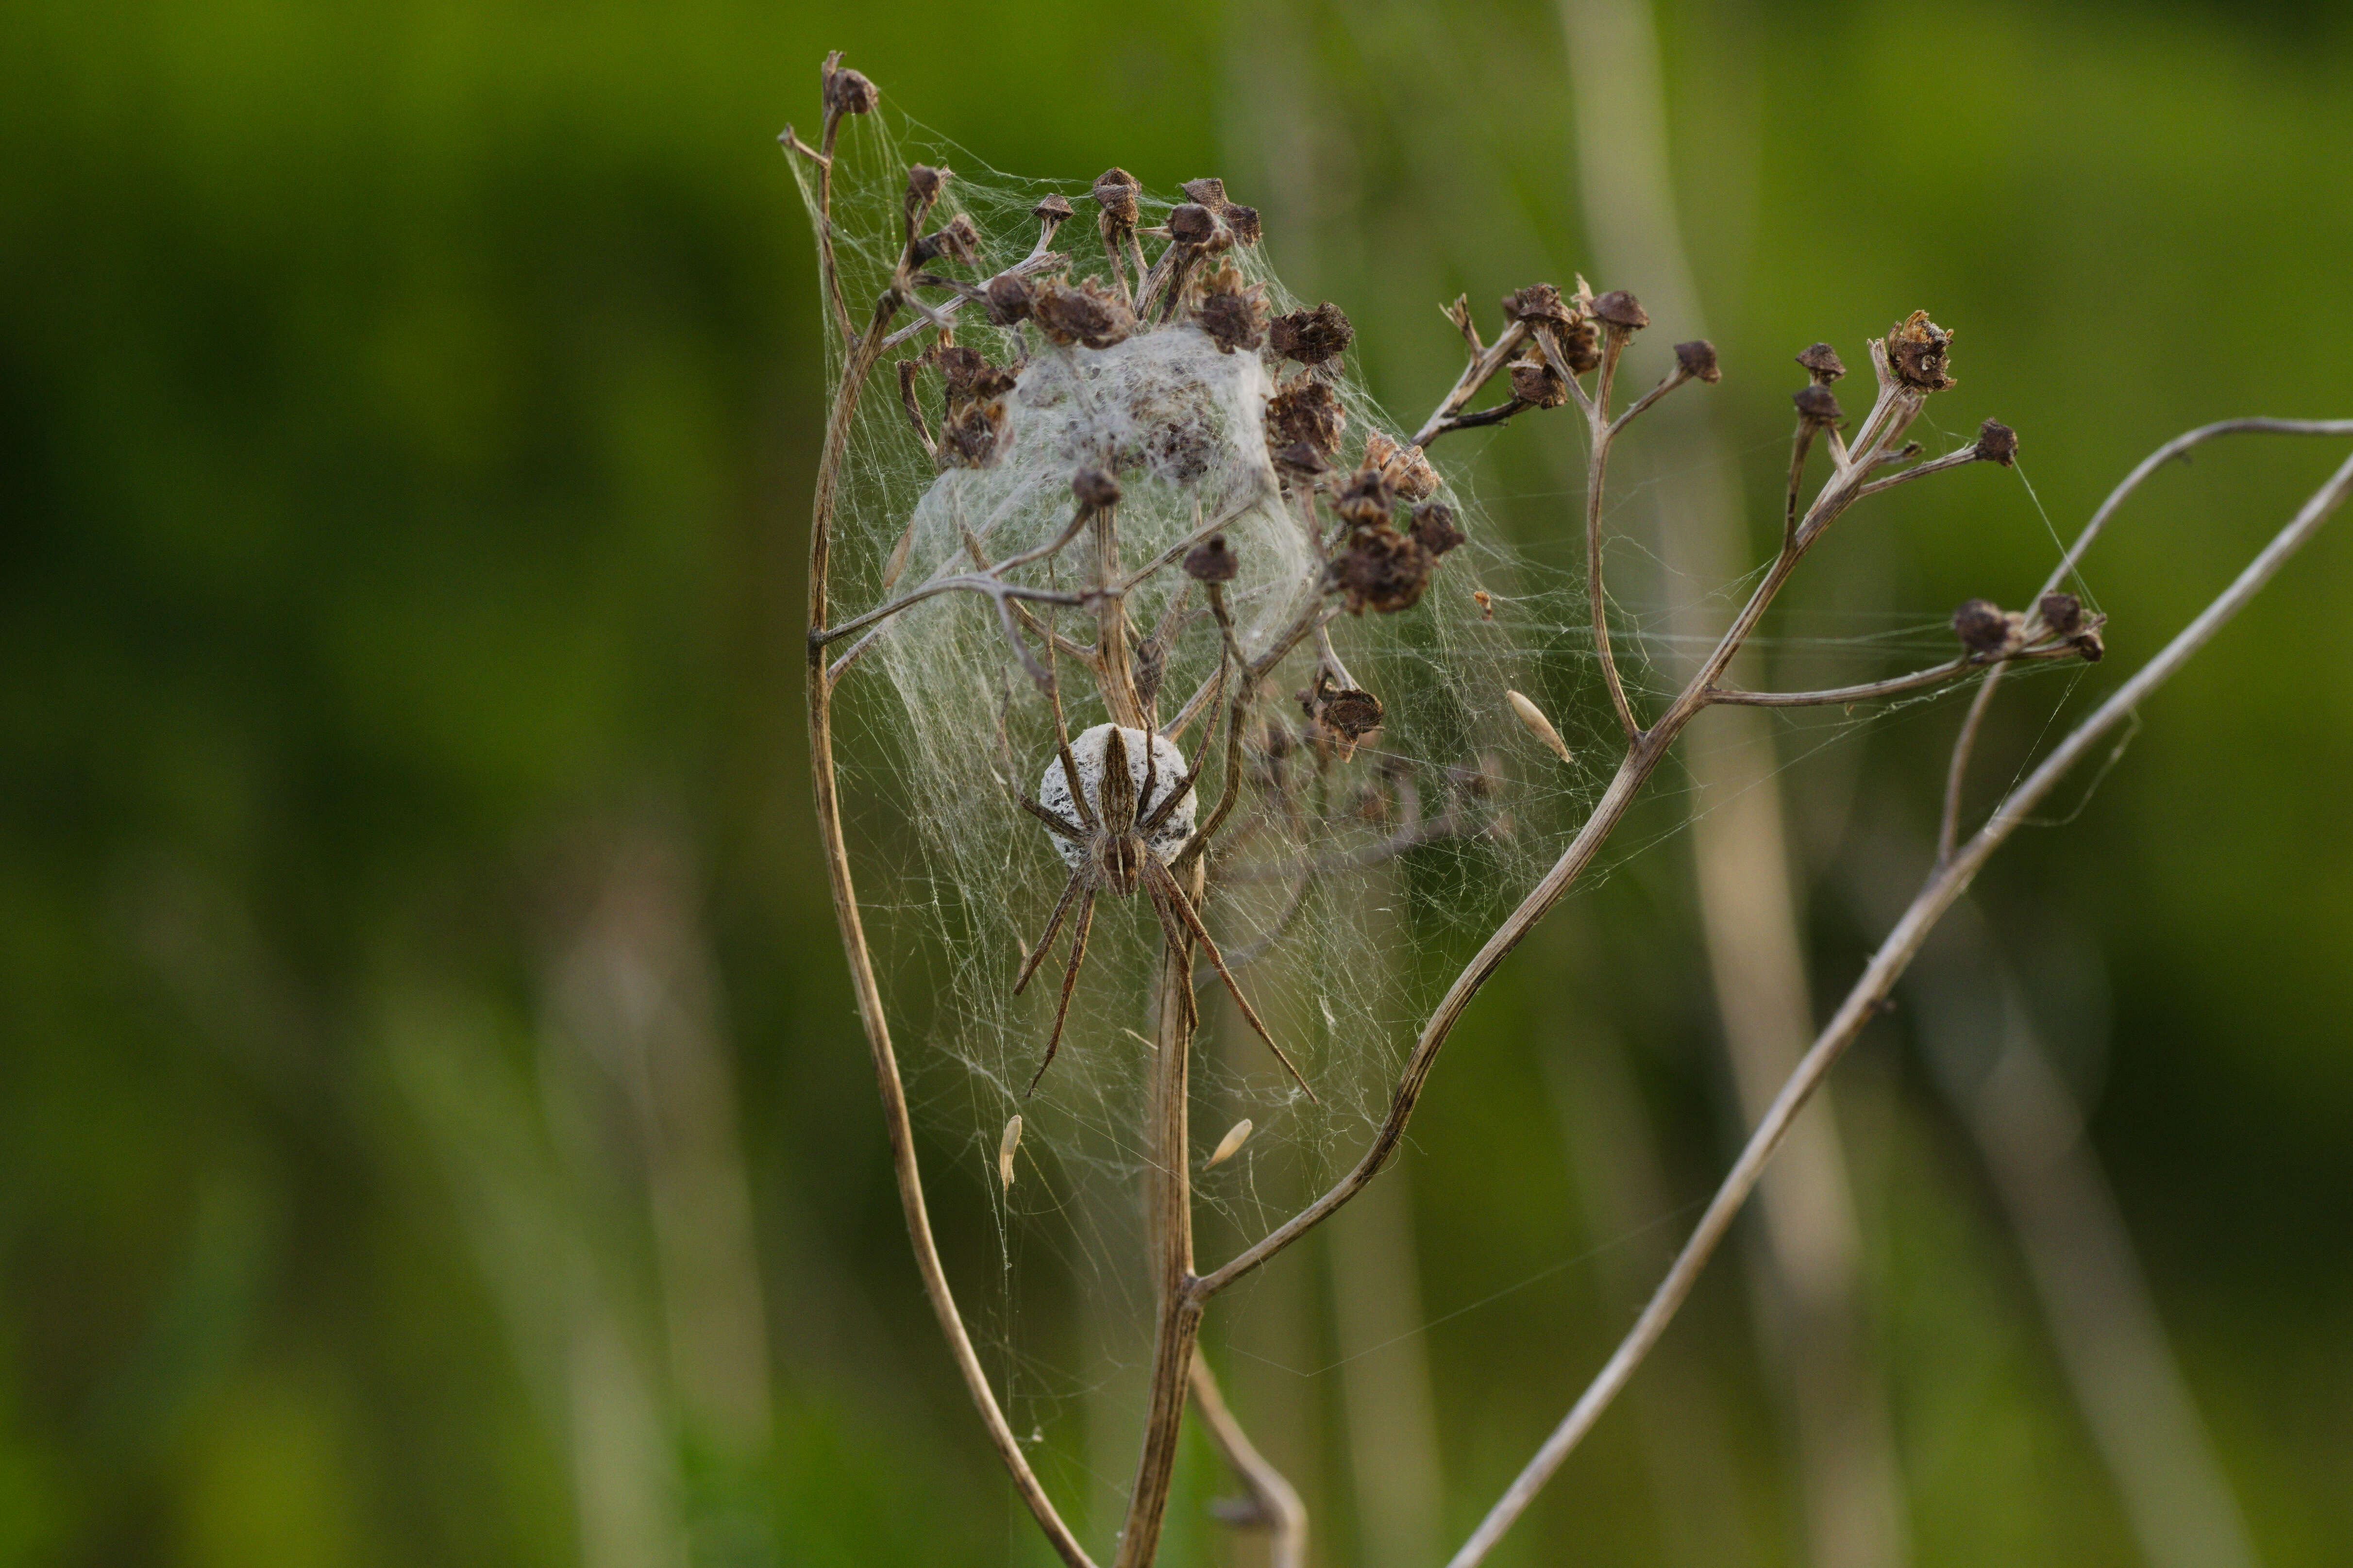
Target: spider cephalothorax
{"points": [[1123, 823]]}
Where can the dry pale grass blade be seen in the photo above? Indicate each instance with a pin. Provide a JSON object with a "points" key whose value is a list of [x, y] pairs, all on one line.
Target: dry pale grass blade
{"points": [[1005, 1148], [1529, 714]]}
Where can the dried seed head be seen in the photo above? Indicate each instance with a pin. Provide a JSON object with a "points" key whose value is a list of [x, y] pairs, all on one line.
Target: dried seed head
{"points": [[1053, 212], [1621, 311], [1403, 468], [1095, 488], [1189, 222], [1997, 443], [1434, 528], [1236, 1136], [1211, 561], [2088, 644], [1816, 406], [1696, 360], [1115, 192], [976, 435], [1233, 314], [1581, 345], [1984, 627], [1366, 500], [2062, 613], [1008, 299], [1532, 716], [924, 184], [1921, 352], [1299, 459], [1349, 713], [1311, 337], [1243, 221], [1210, 192], [1307, 412], [1537, 302], [849, 92], [1822, 362], [1380, 569], [1082, 313], [959, 242], [1534, 381]]}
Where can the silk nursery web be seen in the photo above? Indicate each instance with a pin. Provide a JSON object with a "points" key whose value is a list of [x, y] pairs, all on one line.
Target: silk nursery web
{"points": [[1114, 505]]}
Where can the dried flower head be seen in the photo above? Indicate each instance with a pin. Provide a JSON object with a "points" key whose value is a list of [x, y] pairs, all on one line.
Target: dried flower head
{"points": [[1115, 192], [1189, 222], [1242, 221], [958, 242], [1084, 312], [1997, 443], [1534, 381], [976, 435], [1696, 360], [1381, 569], [1208, 192], [1348, 714], [1538, 303], [2062, 613], [1365, 500], [1300, 461], [924, 184], [1920, 350], [1307, 412], [1985, 628], [1008, 299], [1311, 337], [1403, 468], [1434, 528], [1233, 314], [1095, 488], [1053, 212], [1823, 362], [1581, 345], [1212, 561], [1816, 404], [848, 91], [1621, 311]]}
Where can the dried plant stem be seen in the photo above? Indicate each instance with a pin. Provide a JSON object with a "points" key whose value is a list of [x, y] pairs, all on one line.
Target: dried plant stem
{"points": [[1957, 775], [1169, 1200], [1274, 1506], [862, 357], [1863, 1001]]}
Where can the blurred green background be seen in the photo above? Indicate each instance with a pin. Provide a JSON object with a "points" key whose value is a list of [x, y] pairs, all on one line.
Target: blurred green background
{"points": [[433, 1129]]}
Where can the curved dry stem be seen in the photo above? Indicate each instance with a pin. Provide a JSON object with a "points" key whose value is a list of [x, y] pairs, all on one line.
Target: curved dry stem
{"points": [[1956, 772], [1864, 1003], [903, 1164], [1274, 1506]]}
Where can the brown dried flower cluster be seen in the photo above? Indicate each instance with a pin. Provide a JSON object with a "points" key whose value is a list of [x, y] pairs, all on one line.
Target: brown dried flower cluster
{"points": [[1921, 352], [975, 432], [1233, 314], [1379, 566], [1084, 312], [1312, 337]]}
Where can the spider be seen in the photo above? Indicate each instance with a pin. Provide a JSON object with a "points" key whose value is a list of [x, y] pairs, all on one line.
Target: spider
{"points": [[1124, 839]]}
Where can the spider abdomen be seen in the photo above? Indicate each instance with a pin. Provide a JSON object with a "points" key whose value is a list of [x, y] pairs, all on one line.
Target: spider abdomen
{"points": [[1167, 766]]}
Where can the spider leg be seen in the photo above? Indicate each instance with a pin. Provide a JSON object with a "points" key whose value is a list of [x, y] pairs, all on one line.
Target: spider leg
{"points": [[1161, 813], [1070, 977], [1053, 924], [1062, 737], [1166, 891], [1054, 820]]}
